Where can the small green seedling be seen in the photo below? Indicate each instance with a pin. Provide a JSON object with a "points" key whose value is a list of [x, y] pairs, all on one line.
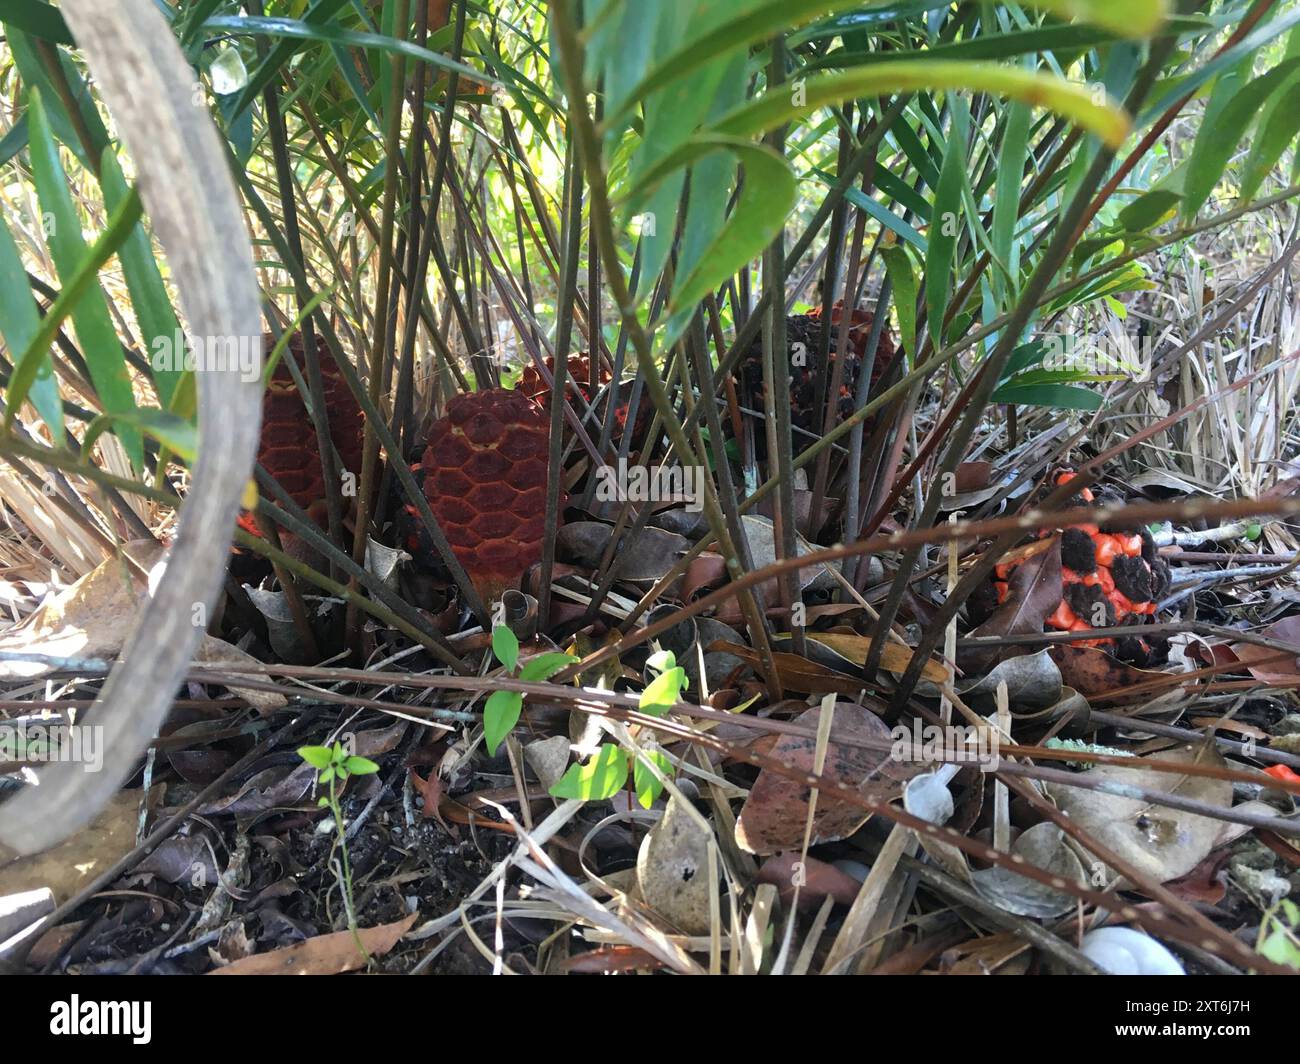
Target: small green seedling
{"points": [[334, 765], [606, 771], [502, 711]]}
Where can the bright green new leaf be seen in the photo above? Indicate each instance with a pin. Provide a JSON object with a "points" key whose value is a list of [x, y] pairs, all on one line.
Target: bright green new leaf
{"points": [[601, 777], [505, 645], [500, 715], [359, 766], [663, 691], [647, 784], [319, 757], [544, 666], [661, 660]]}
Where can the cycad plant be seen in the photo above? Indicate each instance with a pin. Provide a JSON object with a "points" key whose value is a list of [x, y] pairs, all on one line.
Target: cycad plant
{"points": [[911, 209]]}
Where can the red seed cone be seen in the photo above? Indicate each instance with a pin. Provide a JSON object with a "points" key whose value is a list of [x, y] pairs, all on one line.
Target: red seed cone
{"points": [[580, 372], [532, 385], [485, 479], [287, 449], [805, 329], [1110, 576]]}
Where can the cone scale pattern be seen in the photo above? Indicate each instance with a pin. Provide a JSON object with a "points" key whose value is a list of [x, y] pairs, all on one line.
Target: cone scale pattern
{"points": [[287, 449], [484, 475]]}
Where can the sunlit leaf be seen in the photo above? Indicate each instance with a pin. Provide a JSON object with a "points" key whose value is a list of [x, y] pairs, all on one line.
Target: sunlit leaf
{"points": [[1128, 18], [77, 270], [646, 783], [544, 666], [765, 199], [1066, 98], [603, 776], [500, 714]]}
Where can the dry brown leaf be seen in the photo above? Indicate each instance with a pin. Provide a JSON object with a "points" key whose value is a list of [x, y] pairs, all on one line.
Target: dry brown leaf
{"points": [[794, 672], [93, 617], [1092, 671], [817, 880], [894, 658], [972, 476], [1272, 667], [1033, 594], [646, 558], [774, 815], [323, 955]]}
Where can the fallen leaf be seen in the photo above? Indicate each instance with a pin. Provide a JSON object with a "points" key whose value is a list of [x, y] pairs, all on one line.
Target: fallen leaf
{"points": [[186, 859], [92, 617], [817, 880], [648, 557], [1163, 843], [794, 672], [895, 658], [1033, 682], [431, 790], [776, 810], [704, 573], [1266, 663], [972, 476], [1042, 846], [1236, 726], [324, 954], [1092, 671], [762, 549], [991, 954], [269, 789], [1033, 594], [1204, 883], [548, 758], [672, 869], [611, 960]]}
